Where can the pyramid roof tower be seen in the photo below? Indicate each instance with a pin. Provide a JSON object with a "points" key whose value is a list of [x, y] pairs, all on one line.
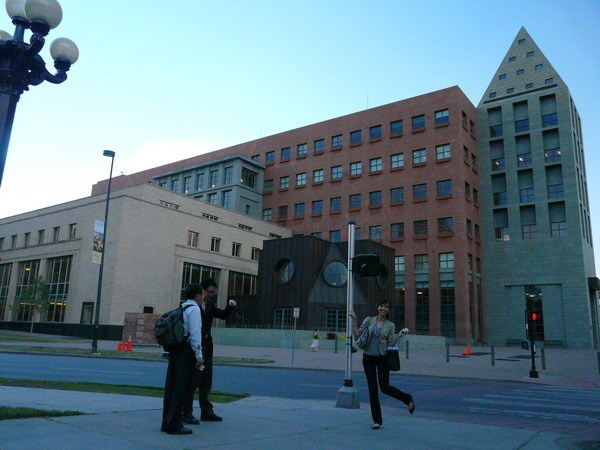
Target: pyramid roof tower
{"points": [[524, 69]]}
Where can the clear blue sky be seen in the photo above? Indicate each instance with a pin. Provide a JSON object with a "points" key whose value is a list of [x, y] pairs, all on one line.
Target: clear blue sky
{"points": [[161, 81]]}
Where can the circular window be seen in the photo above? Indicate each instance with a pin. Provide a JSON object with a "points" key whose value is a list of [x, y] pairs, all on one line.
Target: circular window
{"points": [[336, 274], [382, 278], [285, 270]]}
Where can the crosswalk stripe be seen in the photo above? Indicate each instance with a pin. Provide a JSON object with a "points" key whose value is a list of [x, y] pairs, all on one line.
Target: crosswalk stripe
{"points": [[542, 415], [540, 405]]}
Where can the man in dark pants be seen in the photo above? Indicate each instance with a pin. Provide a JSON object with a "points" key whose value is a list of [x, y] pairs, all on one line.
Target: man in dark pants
{"points": [[203, 379], [184, 363]]}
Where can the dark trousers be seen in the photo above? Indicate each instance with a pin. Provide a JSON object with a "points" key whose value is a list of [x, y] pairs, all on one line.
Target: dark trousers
{"points": [[202, 381], [177, 385], [376, 370]]}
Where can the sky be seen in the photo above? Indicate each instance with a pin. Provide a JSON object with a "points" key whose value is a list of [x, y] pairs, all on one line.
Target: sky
{"points": [[160, 81]]}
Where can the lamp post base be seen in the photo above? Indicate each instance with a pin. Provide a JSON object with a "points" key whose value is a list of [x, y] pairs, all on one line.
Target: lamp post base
{"points": [[533, 374], [347, 397]]}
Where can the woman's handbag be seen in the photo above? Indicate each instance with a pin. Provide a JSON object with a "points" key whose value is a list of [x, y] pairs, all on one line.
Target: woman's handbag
{"points": [[393, 359], [363, 338]]}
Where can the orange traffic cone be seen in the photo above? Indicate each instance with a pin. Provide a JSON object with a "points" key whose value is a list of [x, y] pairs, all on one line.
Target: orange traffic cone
{"points": [[467, 351], [129, 346], [121, 346]]}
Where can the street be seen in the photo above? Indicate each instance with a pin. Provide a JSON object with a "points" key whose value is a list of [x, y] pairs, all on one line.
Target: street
{"points": [[517, 405]]}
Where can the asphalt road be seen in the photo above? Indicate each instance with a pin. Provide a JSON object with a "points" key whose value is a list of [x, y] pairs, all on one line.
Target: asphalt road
{"points": [[520, 405]]}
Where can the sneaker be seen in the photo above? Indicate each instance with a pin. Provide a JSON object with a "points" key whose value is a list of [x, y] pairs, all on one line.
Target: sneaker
{"points": [[376, 426], [190, 420]]}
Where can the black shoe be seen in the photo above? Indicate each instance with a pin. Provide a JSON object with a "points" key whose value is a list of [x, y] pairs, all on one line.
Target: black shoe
{"points": [[182, 430], [210, 417], [163, 428], [190, 420], [411, 406], [375, 426]]}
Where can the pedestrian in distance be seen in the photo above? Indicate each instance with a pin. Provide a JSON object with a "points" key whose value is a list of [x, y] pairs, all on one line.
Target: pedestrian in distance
{"points": [[381, 335], [183, 363], [315, 342], [203, 379]]}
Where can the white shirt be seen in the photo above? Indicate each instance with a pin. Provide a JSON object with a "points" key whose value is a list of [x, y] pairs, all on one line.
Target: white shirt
{"points": [[192, 326]]}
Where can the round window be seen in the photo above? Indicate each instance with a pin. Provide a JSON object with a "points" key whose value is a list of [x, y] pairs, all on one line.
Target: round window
{"points": [[336, 274], [285, 270]]}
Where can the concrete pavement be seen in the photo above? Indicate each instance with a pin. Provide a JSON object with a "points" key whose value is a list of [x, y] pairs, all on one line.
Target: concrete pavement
{"points": [[131, 422]]}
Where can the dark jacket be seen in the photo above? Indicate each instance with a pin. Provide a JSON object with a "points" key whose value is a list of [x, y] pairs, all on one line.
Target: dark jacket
{"points": [[212, 311]]}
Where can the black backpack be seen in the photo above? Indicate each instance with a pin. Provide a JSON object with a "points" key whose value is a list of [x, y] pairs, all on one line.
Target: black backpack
{"points": [[168, 330]]}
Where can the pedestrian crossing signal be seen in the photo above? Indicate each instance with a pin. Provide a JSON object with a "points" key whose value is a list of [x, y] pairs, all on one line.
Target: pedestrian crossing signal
{"points": [[534, 316]]}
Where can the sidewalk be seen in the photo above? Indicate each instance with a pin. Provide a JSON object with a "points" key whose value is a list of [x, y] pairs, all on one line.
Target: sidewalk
{"points": [[131, 422]]}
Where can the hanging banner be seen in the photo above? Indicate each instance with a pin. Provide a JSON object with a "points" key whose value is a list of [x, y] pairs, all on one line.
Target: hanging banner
{"points": [[98, 242]]}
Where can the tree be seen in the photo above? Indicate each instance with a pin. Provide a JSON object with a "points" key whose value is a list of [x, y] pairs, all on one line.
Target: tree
{"points": [[35, 296]]}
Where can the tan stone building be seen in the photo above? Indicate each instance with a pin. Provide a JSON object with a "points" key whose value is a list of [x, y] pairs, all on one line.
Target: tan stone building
{"points": [[157, 242]]}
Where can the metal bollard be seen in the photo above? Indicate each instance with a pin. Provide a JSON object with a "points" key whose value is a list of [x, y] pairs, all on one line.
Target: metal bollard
{"points": [[335, 346], [543, 350], [493, 356], [407, 341], [447, 352]]}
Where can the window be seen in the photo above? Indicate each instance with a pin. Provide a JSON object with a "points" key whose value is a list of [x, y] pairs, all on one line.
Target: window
{"points": [[444, 187], [268, 185], [355, 201], [556, 191], [558, 228], [301, 179], [317, 234], [375, 132], [235, 249], [420, 228], [510, 90], [375, 164], [442, 151], [215, 244], [41, 234], [529, 231], [473, 161], [254, 255], [285, 268], [175, 185], [336, 319], [319, 146], [446, 261], [397, 195], [529, 86], [498, 164], [521, 125], [527, 195], [26, 239], [282, 318], [299, 209], [214, 178], [492, 95], [421, 262], [502, 76], [355, 168], [397, 230], [256, 158], [396, 127], [419, 191], [445, 225], [226, 199], [524, 159], [270, 157], [249, 178], [267, 214], [336, 172], [398, 264], [72, 230], [520, 71], [199, 181], [335, 204], [318, 176], [418, 122], [529, 54], [500, 198], [212, 198], [192, 239], [301, 149], [55, 235], [549, 81], [228, 175], [496, 130], [282, 212], [442, 116], [284, 182], [335, 235], [475, 196], [187, 185], [337, 141], [469, 227], [512, 58], [375, 233], [285, 153], [375, 198], [552, 155], [419, 156], [397, 160], [539, 66], [549, 120], [317, 206], [355, 137]]}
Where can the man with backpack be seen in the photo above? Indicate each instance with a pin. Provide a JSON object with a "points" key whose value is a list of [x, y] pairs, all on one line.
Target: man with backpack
{"points": [[183, 361]]}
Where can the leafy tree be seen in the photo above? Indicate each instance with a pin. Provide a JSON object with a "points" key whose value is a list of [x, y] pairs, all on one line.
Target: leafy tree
{"points": [[35, 296]]}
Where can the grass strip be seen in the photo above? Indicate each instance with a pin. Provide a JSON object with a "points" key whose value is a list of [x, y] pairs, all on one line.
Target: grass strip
{"points": [[17, 337], [121, 354], [8, 412], [122, 389]]}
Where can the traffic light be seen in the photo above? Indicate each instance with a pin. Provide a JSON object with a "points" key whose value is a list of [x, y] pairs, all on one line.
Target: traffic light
{"points": [[534, 316], [366, 265]]}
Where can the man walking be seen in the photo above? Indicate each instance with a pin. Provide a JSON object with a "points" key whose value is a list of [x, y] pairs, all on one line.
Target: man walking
{"points": [[203, 379], [184, 363]]}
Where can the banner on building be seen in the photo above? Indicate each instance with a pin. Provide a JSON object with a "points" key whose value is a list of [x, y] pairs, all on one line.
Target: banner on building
{"points": [[98, 242]]}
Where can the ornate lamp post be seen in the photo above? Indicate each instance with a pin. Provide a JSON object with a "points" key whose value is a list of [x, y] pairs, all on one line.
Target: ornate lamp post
{"points": [[20, 63], [111, 155]]}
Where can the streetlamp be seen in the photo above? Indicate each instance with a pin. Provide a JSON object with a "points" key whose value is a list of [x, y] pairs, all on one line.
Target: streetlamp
{"points": [[20, 64], [111, 155]]}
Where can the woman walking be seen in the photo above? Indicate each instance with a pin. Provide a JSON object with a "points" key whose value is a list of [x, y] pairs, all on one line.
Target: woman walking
{"points": [[381, 335], [315, 342]]}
